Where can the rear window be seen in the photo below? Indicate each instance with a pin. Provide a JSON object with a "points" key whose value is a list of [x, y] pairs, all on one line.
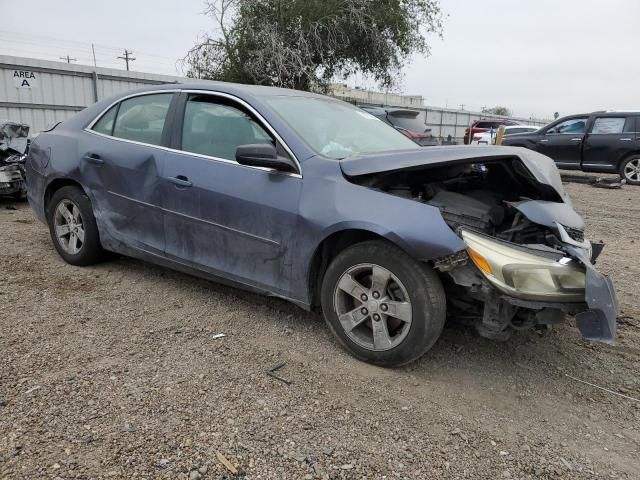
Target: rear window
{"points": [[613, 125], [488, 124], [493, 123], [409, 120], [511, 131], [105, 124], [142, 118]]}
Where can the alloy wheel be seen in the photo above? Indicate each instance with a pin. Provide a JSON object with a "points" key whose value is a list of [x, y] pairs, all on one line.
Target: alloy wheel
{"points": [[632, 170], [373, 307], [69, 226]]}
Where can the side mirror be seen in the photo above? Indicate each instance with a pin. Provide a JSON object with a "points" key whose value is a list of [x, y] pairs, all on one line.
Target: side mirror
{"points": [[263, 155]]}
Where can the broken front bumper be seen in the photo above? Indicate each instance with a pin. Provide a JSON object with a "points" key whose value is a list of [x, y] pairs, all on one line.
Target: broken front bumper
{"points": [[545, 275], [598, 323], [12, 180]]}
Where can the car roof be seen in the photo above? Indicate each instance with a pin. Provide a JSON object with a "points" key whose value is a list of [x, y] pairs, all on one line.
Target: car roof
{"points": [[231, 88], [599, 113], [389, 109]]}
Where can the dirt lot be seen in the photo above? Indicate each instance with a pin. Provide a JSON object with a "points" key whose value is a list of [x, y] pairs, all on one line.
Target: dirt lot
{"points": [[115, 371]]}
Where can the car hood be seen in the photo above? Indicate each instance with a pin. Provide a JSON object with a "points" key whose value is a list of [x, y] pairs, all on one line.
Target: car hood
{"points": [[541, 167]]}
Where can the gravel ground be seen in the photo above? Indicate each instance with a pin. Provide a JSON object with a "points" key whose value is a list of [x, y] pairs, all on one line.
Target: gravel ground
{"points": [[115, 371]]}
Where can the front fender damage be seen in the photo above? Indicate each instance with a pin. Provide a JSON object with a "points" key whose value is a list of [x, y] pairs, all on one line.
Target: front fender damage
{"points": [[513, 202]]}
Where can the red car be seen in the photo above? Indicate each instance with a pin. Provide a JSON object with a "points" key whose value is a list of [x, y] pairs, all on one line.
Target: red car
{"points": [[484, 125]]}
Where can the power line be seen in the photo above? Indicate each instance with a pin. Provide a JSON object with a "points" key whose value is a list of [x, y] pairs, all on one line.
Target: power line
{"points": [[127, 58]]}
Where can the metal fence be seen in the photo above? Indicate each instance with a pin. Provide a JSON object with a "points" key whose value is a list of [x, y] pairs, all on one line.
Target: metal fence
{"points": [[446, 121], [41, 92]]}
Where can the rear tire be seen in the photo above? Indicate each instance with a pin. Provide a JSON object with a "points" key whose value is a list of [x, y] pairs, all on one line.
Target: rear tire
{"points": [[630, 170], [73, 228], [384, 307]]}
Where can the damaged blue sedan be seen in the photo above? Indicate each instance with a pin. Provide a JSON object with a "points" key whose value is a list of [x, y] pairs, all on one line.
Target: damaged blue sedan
{"points": [[310, 199]]}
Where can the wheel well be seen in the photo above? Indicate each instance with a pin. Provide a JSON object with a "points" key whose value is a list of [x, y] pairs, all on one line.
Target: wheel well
{"points": [[56, 185], [625, 158], [327, 251]]}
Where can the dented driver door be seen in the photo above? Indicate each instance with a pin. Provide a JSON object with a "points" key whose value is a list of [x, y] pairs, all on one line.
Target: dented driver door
{"points": [[227, 219]]}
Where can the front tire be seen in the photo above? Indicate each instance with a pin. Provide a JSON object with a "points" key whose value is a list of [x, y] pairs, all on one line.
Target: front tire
{"points": [[73, 227], [630, 170], [384, 307]]}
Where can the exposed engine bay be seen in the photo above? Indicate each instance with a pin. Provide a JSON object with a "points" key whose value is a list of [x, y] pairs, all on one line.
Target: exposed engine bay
{"points": [[482, 196], [499, 205]]}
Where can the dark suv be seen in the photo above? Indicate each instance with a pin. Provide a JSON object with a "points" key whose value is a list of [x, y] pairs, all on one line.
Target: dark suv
{"points": [[411, 123], [591, 142], [484, 125]]}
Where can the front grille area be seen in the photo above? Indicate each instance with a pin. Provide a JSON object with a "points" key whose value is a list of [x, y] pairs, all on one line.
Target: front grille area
{"points": [[575, 234]]}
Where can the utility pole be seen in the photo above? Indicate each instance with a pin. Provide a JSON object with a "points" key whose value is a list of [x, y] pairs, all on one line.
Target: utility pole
{"points": [[93, 52], [462, 105], [68, 59], [127, 57]]}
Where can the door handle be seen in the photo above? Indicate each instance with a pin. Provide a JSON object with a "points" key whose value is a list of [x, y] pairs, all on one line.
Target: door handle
{"points": [[576, 139], [625, 139], [181, 181], [543, 141], [93, 158]]}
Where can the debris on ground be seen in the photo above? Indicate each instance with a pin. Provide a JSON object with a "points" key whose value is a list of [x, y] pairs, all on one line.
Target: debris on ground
{"points": [[272, 373], [603, 388], [598, 182], [228, 465]]}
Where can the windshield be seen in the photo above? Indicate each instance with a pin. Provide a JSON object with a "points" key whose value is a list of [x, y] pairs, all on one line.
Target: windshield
{"points": [[336, 129]]}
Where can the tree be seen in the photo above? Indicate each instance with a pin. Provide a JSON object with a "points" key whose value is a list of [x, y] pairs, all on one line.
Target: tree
{"points": [[498, 110], [305, 44]]}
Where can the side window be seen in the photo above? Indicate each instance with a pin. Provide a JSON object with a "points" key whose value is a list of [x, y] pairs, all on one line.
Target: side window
{"points": [[575, 125], [217, 130], [632, 125], [142, 118], [603, 125], [105, 124]]}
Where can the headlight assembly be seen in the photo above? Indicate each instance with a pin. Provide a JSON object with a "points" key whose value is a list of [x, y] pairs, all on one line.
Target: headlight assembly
{"points": [[524, 272]]}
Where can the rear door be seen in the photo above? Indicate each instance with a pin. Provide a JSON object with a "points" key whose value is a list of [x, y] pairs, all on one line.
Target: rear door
{"points": [[563, 142], [121, 160], [611, 138]]}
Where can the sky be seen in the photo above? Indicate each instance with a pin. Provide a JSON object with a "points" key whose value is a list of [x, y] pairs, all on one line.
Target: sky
{"points": [[535, 57]]}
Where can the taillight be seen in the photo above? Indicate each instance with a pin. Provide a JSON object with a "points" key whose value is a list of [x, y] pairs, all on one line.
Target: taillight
{"points": [[409, 134]]}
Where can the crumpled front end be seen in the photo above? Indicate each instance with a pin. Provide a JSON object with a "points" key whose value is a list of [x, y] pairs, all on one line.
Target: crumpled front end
{"points": [[542, 281], [13, 145], [526, 263]]}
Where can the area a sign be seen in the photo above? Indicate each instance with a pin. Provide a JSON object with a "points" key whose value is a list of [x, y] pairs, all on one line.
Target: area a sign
{"points": [[24, 79]]}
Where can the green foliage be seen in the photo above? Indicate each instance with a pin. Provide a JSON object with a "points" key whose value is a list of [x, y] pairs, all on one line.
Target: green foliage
{"points": [[498, 110], [305, 44]]}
